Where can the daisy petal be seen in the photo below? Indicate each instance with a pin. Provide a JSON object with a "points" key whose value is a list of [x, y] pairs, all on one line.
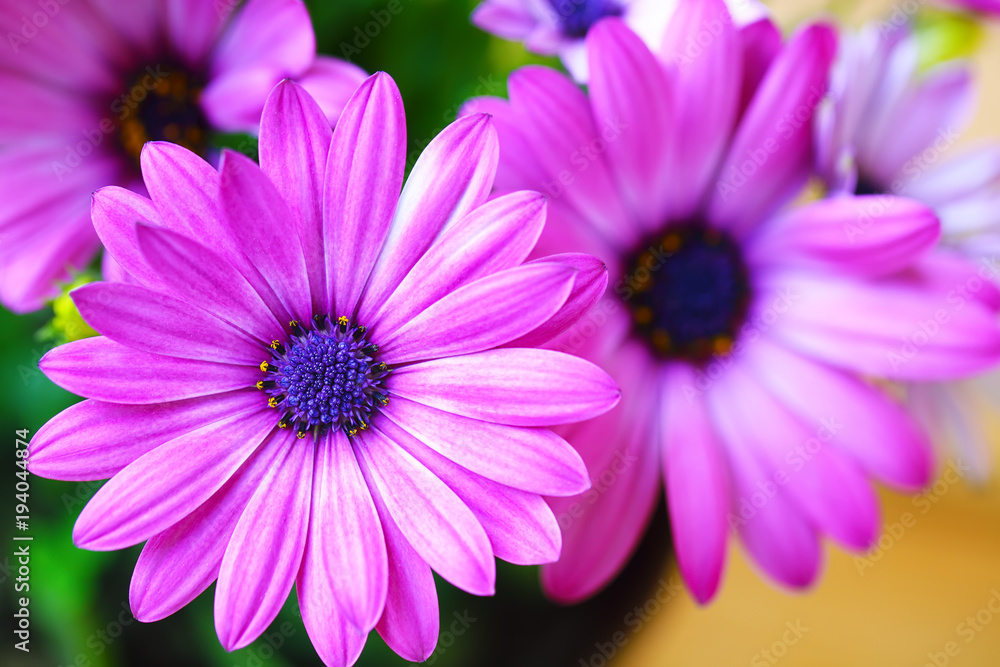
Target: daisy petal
{"points": [[522, 387], [265, 551]]}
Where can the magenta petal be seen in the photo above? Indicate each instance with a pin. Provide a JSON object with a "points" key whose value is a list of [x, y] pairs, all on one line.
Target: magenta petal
{"points": [[589, 285], [521, 527], [868, 236], [761, 45], [115, 212], [336, 641], [184, 188], [347, 533], [452, 177], [629, 89], [875, 430], [193, 27], [364, 173], [482, 315], [902, 327], [294, 142], [411, 620], [331, 82], [694, 470], [496, 236], [177, 565], [261, 224], [770, 156], [531, 459], [194, 273], [94, 440], [163, 486], [522, 387], [434, 520], [707, 83], [108, 371], [160, 324], [265, 552]]}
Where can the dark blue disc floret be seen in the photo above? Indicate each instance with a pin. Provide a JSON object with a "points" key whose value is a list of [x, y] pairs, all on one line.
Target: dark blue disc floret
{"points": [[576, 17], [325, 377]]}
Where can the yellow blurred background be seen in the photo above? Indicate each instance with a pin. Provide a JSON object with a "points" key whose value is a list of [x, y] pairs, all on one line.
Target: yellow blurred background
{"points": [[923, 598]]}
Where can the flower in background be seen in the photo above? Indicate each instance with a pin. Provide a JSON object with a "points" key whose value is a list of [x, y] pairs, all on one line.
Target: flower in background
{"points": [[560, 27], [86, 84], [887, 129], [313, 379], [740, 329]]}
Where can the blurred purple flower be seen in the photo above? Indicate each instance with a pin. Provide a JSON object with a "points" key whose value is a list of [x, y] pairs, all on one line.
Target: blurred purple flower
{"points": [[987, 6], [888, 129], [86, 84], [313, 379], [741, 329], [559, 27]]}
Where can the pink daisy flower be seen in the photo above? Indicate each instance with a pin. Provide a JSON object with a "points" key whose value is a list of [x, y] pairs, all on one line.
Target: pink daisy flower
{"points": [[87, 83], [321, 382], [739, 328], [560, 27], [888, 128]]}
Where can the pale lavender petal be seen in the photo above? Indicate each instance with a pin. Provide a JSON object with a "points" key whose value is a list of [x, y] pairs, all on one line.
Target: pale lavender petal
{"points": [[108, 371], [294, 142], [434, 520], [522, 387], [770, 156], [347, 533], [496, 236], [154, 322], [589, 285], [482, 315], [193, 26], [261, 224], [411, 620], [521, 527], [694, 472], [165, 485], [364, 174], [331, 82], [266, 549], [866, 236], [452, 177], [973, 172], [531, 459], [177, 565], [510, 19]]}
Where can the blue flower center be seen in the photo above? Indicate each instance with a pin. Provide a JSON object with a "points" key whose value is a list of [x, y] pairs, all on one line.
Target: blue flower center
{"points": [[577, 16], [160, 103], [325, 378], [868, 186], [689, 292]]}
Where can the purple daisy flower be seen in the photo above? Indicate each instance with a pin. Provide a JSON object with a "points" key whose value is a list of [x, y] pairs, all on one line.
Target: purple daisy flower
{"points": [[87, 83], [560, 27], [739, 328], [888, 128], [320, 381]]}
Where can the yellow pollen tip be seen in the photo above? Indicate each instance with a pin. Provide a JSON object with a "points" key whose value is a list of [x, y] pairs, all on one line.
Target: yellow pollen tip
{"points": [[275, 344], [643, 315], [722, 345], [264, 366], [343, 320], [661, 339], [672, 242], [273, 402], [282, 424], [260, 384], [300, 435]]}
